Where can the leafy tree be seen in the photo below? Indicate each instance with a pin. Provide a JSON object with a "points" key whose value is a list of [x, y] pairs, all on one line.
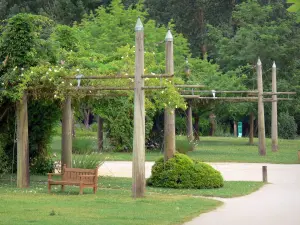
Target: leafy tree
{"points": [[295, 8], [24, 43], [265, 31], [61, 11], [190, 18]]}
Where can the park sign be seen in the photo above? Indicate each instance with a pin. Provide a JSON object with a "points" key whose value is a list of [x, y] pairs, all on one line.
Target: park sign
{"points": [[240, 129]]}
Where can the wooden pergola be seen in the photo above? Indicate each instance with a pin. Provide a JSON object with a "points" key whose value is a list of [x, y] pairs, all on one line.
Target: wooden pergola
{"points": [[187, 92]]}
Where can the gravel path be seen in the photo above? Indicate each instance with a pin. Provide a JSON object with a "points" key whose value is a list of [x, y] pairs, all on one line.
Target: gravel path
{"points": [[277, 203]]}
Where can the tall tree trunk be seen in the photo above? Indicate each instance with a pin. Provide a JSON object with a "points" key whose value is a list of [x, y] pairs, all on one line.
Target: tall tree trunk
{"points": [[87, 118], [251, 132], [73, 126], [212, 124], [202, 32], [189, 123], [234, 129], [196, 127], [100, 134]]}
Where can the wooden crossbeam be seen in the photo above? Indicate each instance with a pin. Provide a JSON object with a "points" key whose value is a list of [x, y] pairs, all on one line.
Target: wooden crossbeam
{"points": [[210, 91], [118, 77], [279, 93], [154, 87], [101, 77], [91, 88], [246, 99], [189, 86]]}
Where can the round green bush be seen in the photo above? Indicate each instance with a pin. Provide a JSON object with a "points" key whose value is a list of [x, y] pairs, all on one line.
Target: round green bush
{"points": [[182, 172]]}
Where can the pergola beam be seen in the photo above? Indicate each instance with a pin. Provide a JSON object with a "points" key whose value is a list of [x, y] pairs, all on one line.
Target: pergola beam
{"points": [[210, 91], [119, 77], [189, 86]]}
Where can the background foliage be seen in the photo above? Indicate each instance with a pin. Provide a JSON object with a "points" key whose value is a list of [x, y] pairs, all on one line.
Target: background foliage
{"points": [[217, 41]]}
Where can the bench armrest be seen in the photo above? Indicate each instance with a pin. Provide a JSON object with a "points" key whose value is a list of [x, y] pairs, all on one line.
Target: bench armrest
{"points": [[53, 174]]}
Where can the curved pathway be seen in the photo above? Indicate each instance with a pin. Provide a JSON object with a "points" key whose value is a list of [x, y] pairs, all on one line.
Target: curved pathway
{"points": [[277, 203]]}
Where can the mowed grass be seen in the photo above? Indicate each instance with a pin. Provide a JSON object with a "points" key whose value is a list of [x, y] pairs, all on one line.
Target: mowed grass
{"points": [[229, 149], [217, 149], [112, 204], [109, 206], [231, 188]]}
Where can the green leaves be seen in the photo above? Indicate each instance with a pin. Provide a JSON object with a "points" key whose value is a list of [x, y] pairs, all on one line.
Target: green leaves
{"points": [[295, 7]]}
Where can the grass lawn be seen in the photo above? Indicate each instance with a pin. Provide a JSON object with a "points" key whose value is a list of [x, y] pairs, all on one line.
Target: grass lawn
{"points": [[111, 205], [217, 149], [231, 188]]}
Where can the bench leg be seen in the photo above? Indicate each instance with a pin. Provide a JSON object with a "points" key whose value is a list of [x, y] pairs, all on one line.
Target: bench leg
{"points": [[49, 188], [81, 189], [95, 189], [62, 187]]}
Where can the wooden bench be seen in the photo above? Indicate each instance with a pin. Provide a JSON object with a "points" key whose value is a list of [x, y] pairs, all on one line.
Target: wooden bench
{"points": [[75, 176]]}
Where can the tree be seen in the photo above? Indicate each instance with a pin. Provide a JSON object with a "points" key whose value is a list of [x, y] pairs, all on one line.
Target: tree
{"points": [[61, 11], [24, 42], [265, 31], [191, 17]]}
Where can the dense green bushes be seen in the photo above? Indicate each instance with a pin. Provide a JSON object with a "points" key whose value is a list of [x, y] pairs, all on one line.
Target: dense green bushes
{"points": [[84, 145], [3, 161], [287, 127], [184, 146], [87, 161], [182, 172]]}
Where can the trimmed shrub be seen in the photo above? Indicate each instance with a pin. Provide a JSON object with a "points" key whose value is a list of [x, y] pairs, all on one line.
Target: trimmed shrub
{"points": [[182, 172], [206, 176]]}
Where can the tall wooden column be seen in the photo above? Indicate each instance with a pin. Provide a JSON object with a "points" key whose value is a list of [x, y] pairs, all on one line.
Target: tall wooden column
{"points": [[66, 156], [169, 121], [261, 115], [274, 111], [138, 162], [190, 135], [22, 143]]}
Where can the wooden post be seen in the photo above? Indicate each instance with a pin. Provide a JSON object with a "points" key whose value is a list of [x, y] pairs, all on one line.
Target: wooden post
{"points": [[100, 133], [251, 132], [22, 143], [138, 162], [265, 174], [261, 116], [169, 121], [274, 111], [66, 156], [190, 135]]}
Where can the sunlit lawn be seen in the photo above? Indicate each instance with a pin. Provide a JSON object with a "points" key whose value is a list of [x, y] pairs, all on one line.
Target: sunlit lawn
{"points": [[217, 149], [108, 206], [111, 205]]}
